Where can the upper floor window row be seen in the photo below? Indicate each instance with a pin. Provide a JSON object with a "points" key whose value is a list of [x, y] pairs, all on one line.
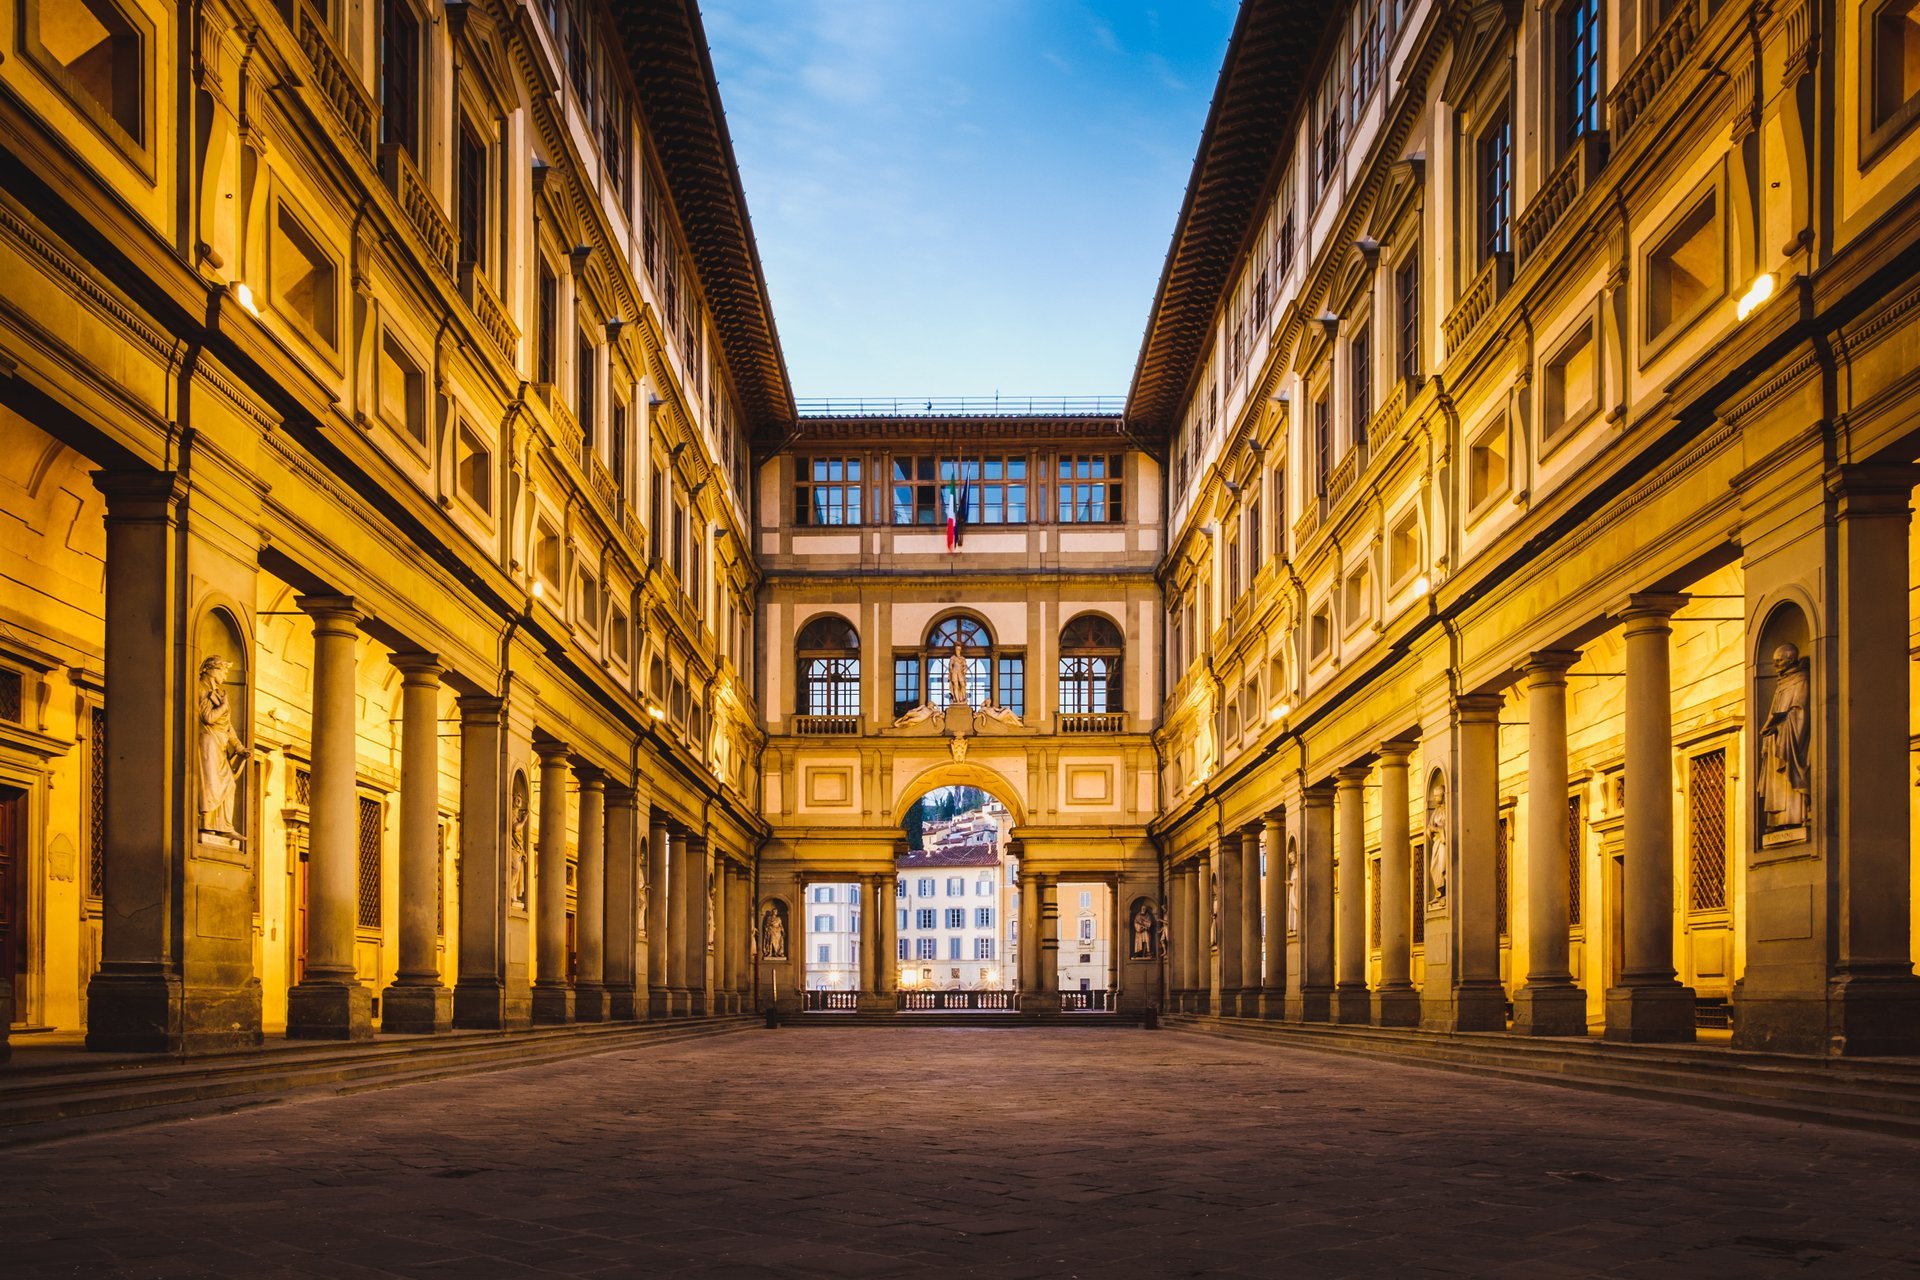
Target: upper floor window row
{"points": [[921, 490]]}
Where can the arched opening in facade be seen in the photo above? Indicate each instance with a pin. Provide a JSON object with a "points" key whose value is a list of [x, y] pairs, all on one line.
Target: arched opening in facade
{"points": [[827, 674], [993, 674]]}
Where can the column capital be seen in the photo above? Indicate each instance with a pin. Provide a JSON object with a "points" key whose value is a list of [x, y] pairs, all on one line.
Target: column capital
{"points": [[1318, 796], [1868, 489], [330, 613], [620, 796], [1549, 666], [1650, 610], [1477, 708], [590, 778], [1273, 824], [418, 668], [481, 708], [140, 494], [1396, 752], [552, 753], [1351, 778]]}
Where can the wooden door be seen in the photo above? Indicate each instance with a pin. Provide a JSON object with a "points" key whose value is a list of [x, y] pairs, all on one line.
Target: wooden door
{"points": [[300, 912], [13, 902]]}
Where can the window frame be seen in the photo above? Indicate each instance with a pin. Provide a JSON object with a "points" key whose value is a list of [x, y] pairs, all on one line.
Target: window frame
{"points": [[808, 486], [139, 150], [1878, 134]]}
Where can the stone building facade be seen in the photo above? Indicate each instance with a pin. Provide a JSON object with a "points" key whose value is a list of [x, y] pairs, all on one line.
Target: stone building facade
{"points": [[425, 604]]}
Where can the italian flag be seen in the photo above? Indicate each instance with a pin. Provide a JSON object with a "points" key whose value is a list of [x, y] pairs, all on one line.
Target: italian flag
{"points": [[956, 513]]}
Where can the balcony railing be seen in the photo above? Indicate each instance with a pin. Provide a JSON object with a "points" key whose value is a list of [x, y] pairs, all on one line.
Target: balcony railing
{"points": [[969, 406], [564, 423], [1476, 302], [827, 726], [1309, 520], [481, 299], [1343, 475], [1387, 418], [602, 481], [1086, 1001], [949, 1001], [1649, 73], [829, 1001], [345, 96], [1093, 722], [1554, 198], [423, 211]]}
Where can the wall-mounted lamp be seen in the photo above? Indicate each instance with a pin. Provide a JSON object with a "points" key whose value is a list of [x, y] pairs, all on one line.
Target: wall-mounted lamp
{"points": [[1758, 292], [539, 589], [243, 294], [1421, 586]]}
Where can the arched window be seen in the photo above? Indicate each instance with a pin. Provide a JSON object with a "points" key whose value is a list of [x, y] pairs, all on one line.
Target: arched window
{"points": [[1090, 652], [827, 652], [994, 676]]}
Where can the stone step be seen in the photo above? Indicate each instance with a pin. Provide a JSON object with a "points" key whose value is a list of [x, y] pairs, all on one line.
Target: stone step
{"points": [[35, 1097], [1883, 1096]]}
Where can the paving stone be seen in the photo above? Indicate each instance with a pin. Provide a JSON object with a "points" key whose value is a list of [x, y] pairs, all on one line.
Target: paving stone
{"points": [[857, 1152]]}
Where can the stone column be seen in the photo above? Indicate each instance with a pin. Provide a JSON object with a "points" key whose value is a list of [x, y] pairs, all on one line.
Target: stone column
{"points": [[1225, 855], [330, 1003], [872, 963], [624, 820], [1316, 907], [1249, 1006], [722, 1000], [416, 1001], [1873, 997], [1176, 958], [1050, 942], [681, 919], [659, 952], [552, 992], [699, 919], [1273, 989], [1031, 998], [1549, 1004], [1395, 1002], [134, 1000], [1649, 1005], [590, 917], [886, 964], [1206, 932], [1351, 1002], [1479, 1001], [479, 993]]}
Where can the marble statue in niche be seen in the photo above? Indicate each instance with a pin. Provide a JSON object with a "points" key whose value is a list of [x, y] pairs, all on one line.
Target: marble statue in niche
{"points": [[1144, 932], [1161, 934], [1437, 839], [221, 751], [957, 676], [773, 931], [1784, 741], [1293, 888], [517, 837]]}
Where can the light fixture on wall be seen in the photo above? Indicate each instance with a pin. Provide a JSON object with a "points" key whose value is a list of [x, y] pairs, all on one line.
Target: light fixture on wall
{"points": [[539, 589], [1758, 292], [243, 294], [1280, 713], [1421, 586]]}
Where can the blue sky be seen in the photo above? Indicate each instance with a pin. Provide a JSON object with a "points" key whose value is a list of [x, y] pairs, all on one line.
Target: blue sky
{"points": [[958, 197]]}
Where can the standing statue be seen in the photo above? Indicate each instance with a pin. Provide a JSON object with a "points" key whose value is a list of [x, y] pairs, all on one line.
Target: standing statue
{"points": [[957, 675], [1784, 739], [773, 932], [1437, 839], [517, 838], [1160, 931], [713, 920], [221, 750], [1143, 932]]}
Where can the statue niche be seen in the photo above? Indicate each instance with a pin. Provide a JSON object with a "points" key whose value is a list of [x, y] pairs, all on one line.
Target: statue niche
{"points": [[221, 749], [1436, 839], [1783, 786], [773, 931]]}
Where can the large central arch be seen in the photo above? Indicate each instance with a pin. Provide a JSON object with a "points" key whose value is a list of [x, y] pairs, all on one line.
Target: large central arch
{"points": [[962, 773]]}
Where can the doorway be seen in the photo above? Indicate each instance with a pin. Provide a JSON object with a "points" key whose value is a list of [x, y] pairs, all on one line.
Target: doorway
{"points": [[13, 900]]}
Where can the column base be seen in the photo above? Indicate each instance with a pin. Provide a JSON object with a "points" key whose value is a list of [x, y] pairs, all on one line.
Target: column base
{"points": [[1312, 1004], [1550, 1009], [1656, 1013], [1479, 1006], [679, 1002], [134, 1012], [1396, 1007], [1273, 1006], [623, 1005], [659, 1002], [1873, 1014], [422, 1009], [479, 1006], [552, 1005], [589, 1002], [329, 1011], [699, 1004], [1039, 1002], [1352, 1004]]}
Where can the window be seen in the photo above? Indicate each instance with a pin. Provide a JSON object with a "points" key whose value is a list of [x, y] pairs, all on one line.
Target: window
{"points": [[1686, 272], [371, 832], [1503, 876], [1326, 116], [1090, 651], [588, 601], [906, 683], [983, 917], [1086, 900], [1086, 928], [825, 952], [585, 401], [1373, 903], [925, 918], [1707, 831], [976, 649], [1894, 59], [1581, 92], [823, 924], [827, 491], [1572, 389], [997, 491], [823, 894], [1487, 464], [1406, 294], [400, 77], [924, 888], [617, 634], [547, 554], [828, 652], [1576, 865], [926, 948], [956, 917], [900, 891], [1360, 374], [953, 948], [1320, 632], [98, 57], [1322, 442], [1366, 38], [1090, 488], [984, 888], [1403, 547], [546, 322], [983, 948], [470, 192], [1358, 605], [916, 494], [1419, 894], [1495, 168], [304, 279], [613, 133], [901, 950], [1254, 527], [617, 446], [1013, 683], [1232, 557], [956, 887], [402, 390]]}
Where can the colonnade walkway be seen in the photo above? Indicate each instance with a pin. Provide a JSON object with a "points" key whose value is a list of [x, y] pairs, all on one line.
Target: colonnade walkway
{"points": [[935, 1151]]}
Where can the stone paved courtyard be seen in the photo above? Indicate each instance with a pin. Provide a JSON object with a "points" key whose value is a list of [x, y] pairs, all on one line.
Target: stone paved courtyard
{"points": [[933, 1151]]}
